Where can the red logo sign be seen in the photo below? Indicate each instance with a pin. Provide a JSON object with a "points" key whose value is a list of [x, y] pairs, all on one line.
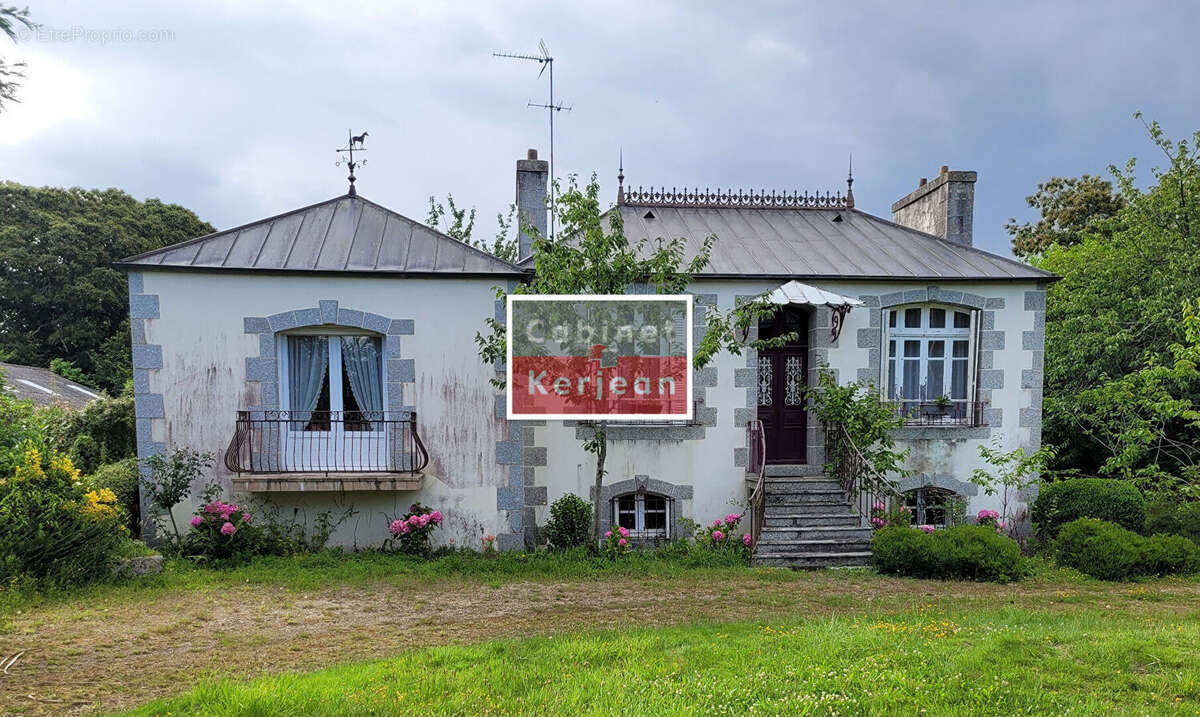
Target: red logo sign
{"points": [[614, 357]]}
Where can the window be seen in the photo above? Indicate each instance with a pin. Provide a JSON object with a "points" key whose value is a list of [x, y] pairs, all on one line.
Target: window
{"points": [[936, 506], [644, 515], [333, 379], [930, 366]]}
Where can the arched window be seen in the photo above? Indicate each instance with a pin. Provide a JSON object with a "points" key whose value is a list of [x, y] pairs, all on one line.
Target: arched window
{"points": [[930, 366], [935, 506], [645, 515]]}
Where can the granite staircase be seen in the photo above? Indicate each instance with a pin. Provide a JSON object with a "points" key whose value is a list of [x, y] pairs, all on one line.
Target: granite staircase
{"points": [[809, 523]]}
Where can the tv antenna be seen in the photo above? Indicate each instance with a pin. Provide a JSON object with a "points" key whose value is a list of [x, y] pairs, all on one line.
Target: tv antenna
{"points": [[353, 144], [547, 62]]}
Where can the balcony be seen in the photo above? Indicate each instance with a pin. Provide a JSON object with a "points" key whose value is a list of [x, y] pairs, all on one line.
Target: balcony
{"points": [[298, 451], [967, 414]]}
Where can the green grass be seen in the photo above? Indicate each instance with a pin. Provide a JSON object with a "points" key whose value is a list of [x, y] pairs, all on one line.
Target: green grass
{"points": [[999, 661], [330, 568]]}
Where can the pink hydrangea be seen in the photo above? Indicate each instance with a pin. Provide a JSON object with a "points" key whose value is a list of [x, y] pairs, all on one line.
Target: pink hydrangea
{"points": [[877, 522], [747, 540], [608, 533], [985, 514], [624, 531], [622, 542], [228, 529], [999, 524], [717, 523], [904, 509], [878, 506], [245, 517], [435, 517], [732, 519], [197, 521], [398, 527], [926, 528], [718, 536]]}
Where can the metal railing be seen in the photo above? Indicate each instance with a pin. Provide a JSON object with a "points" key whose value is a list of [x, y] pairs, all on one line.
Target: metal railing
{"points": [[935, 413], [865, 488], [756, 439], [326, 442]]}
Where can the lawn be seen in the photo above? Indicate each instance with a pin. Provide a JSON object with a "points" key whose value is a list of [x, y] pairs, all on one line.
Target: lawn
{"points": [[986, 662], [447, 634]]}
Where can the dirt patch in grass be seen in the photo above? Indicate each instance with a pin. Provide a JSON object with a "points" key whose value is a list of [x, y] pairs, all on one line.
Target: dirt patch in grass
{"points": [[122, 650]]}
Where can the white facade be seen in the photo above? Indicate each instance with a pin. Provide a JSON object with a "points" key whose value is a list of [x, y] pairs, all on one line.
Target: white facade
{"points": [[201, 354]]}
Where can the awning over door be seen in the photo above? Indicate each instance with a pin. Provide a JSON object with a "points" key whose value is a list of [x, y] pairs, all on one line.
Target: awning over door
{"points": [[796, 294]]}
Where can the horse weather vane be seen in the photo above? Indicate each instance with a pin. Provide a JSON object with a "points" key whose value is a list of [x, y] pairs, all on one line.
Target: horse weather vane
{"points": [[354, 144], [547, 62]]}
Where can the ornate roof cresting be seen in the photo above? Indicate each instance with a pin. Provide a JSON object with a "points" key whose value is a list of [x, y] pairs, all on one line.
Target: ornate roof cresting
{"points": [[730, 199]]}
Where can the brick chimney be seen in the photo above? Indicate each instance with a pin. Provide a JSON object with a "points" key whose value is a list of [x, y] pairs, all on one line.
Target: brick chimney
{"points": [[943, 206], [532, 176]]}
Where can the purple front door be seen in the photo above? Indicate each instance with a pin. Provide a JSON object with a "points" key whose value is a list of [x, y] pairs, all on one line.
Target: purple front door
{"points": [[782, 378]]}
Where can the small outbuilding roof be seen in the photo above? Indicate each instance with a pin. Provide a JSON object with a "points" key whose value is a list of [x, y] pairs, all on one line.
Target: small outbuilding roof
{"points": [[44, 387], [342, 235]]}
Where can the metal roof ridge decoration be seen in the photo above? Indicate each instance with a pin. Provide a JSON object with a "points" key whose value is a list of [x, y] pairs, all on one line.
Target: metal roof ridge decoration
{"points": [[730, 199]]}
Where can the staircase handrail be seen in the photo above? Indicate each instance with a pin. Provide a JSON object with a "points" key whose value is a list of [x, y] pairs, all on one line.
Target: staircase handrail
{"points": [[757, 440], [864, 486]]}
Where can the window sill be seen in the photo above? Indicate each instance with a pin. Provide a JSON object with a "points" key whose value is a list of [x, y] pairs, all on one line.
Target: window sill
{"points": [[943, 431], [328, 482]]}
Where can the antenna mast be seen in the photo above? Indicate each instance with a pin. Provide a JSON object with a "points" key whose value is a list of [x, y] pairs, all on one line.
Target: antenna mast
{"points": [[547, 62]]}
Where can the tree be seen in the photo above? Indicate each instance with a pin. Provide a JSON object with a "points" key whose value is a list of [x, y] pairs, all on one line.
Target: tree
{"points": [[1117, 310], [1069, 208], [60, 296], [461, 223], [12, 73], [595, 257]]}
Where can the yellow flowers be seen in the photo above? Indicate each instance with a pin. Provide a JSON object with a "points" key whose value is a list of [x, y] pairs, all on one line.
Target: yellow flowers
{"points": [[31, 469], [934, 628], [100, 503], [64, 464]]}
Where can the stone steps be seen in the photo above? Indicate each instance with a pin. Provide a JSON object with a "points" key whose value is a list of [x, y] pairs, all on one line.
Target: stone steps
{"points": [[808, 523]]}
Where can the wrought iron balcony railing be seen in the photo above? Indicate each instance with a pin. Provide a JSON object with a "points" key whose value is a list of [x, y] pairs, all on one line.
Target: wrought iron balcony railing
{"points": [[326, 442], [935, 413]]}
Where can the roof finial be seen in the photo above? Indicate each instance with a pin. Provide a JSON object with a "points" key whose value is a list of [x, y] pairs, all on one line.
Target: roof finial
{"points": [[850, 184], [354, 144], [620, 177]]}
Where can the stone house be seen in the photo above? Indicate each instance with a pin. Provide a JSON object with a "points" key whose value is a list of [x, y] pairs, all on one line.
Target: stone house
{"points": [[327, 355]]}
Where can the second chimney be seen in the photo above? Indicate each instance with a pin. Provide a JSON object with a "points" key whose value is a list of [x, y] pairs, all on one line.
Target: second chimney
{"points": [[943, 206], [532, 176]]}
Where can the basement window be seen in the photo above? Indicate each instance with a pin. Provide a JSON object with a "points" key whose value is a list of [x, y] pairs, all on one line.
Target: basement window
{"points": [[644, 515]]}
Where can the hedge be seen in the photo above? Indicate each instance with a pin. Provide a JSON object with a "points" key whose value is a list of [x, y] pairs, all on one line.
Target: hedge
{"points": [[1173, 518], [965, 552], [1107, 551], [1060, 503]]}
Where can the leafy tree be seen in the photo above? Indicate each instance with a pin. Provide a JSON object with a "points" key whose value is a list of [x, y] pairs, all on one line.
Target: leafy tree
{"points": [[595, 257], [460, 223], [1117, 311], [11, 73], [171, 480], [1014, 471], [60, 296], [1069, 207]]}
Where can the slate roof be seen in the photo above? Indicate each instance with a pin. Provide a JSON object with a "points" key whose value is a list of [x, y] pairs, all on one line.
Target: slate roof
{"points": [[809, 243], [44, 387], [342, 235]]}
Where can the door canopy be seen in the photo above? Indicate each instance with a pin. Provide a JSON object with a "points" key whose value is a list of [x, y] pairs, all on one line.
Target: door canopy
{"points": [[796, 294]]}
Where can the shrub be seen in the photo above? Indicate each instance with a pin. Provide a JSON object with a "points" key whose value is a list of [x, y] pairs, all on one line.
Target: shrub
{"points": [[101, 432], [411, 532], [881, 517], [223, 531], [724, 535], [616, 541], [1169, 555], [967, 552], [1110, 552], [1116, 501], [53, 529], [570, 523], [1167, 515], [122, 479]]}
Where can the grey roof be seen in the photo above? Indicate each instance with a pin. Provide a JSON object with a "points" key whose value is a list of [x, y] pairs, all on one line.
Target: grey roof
{"points": [[811, 244], [44, 387], [343, 234]]}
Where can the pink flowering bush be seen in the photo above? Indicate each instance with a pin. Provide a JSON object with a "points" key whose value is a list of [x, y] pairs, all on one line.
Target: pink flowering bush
{"points": [[411, 532], [722, 535], [222, 531], [881, 517], [927, 529], [616, 541]]}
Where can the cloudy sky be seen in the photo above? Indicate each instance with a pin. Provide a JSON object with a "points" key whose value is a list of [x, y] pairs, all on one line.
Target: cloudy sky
{"points": [[234, 111]]}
